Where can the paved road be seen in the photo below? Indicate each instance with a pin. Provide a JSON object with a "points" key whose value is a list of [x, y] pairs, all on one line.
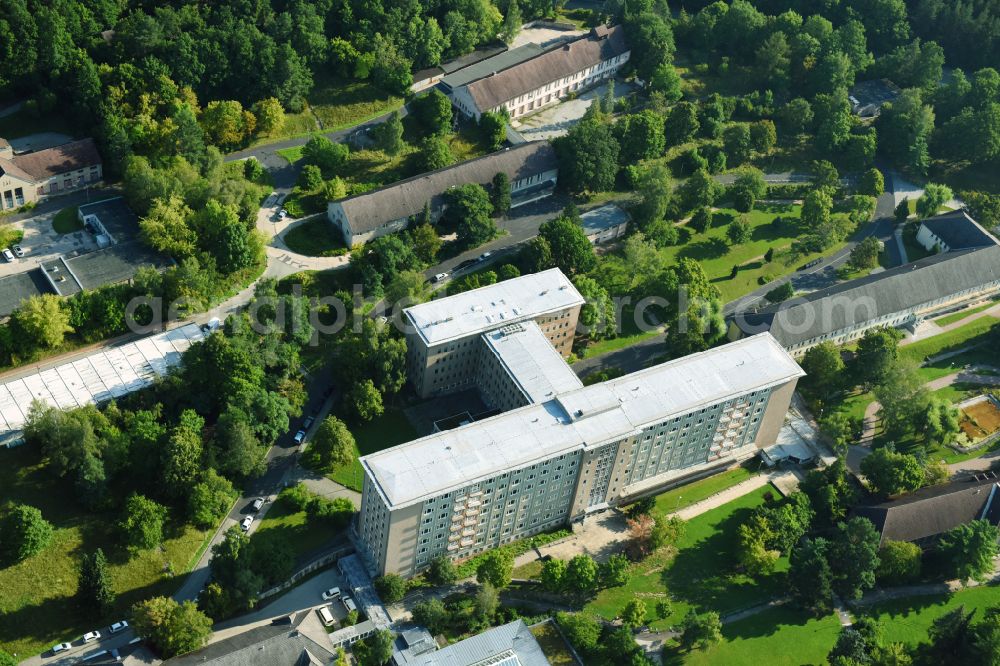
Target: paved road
{"points": [[280, 462], [284, 174]]}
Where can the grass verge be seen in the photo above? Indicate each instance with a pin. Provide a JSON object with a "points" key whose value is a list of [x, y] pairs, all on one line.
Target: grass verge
{"points": [[959, 316], [66, 221], [972, 333], [293, 154], [692, 493]]}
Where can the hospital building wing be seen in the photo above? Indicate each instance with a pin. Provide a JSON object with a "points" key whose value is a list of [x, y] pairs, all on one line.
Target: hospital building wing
{"points": [[561, 450]]}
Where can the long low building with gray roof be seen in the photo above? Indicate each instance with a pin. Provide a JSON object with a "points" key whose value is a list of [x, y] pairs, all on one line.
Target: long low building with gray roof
{"points": [[531, 167], [899, 297]]}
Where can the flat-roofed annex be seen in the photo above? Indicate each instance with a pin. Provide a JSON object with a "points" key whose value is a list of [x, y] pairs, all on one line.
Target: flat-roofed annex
{"points": [[582, 418], [531, 361], [480, 310]]}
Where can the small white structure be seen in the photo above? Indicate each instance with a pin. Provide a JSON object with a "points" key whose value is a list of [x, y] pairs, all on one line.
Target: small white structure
{"points": [[605, 224]]}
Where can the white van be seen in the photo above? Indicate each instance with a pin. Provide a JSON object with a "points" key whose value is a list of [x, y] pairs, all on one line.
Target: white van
{"points": [[349, 604], [325, 615]]}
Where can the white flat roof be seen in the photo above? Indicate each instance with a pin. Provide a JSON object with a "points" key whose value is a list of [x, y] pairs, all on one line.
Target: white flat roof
{"points": [[532, 362], [479, 310], [607, 216], [110, 373], [583, 418]]}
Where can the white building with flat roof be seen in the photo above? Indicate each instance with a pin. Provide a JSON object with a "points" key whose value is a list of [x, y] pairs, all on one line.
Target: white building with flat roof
{"points": [[442, 335], [555, 460], [97, 378], [519, 366]]}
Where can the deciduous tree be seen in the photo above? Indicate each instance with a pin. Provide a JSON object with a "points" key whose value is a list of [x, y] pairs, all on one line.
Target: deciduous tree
{"points": [[332, 445], [23, 533], [969, 549], [171, 628]]}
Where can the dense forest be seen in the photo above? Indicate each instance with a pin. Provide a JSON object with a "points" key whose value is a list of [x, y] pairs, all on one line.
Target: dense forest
{"points": [[134, 71]]}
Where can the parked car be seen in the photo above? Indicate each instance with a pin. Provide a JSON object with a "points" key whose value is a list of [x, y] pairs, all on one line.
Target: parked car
{"points": [[485, 255], [439, 277], [282, 214], [308, 422], [325, 616], [60, 647], [814, 262], [211, 325], [300, 436], [18, 252], [91, 636], [246, 523], [332, 593], [7, 254], [466, 264], [257, 504], [349, 604], [118, 626]]}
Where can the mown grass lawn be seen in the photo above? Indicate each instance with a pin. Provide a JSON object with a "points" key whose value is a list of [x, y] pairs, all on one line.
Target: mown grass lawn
{"points": [[962, 314], [284, 522], [66, 221], [388, 430], [700, 573], [36, 595], [691, 493], [315, 238], [907, 620], [339, 104], [973, 333], [774, 226], [778, 637]]}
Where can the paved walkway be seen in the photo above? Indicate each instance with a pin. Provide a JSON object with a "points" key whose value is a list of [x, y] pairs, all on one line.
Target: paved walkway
{"points": [[785, 478], [606, 534], [927, 589], [993, 311]]}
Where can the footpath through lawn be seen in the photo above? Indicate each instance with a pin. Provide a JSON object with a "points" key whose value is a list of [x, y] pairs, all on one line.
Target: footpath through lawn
{"points": [[699, 573]]}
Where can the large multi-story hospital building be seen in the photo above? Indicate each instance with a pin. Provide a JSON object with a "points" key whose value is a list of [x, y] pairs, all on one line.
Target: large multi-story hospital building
{"points": [[562, 451]]}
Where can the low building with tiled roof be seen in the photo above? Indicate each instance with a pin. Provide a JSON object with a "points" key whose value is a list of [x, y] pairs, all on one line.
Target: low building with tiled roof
{"points": [[546, 78], [925, 515], [28, 177], [532, 169]]}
